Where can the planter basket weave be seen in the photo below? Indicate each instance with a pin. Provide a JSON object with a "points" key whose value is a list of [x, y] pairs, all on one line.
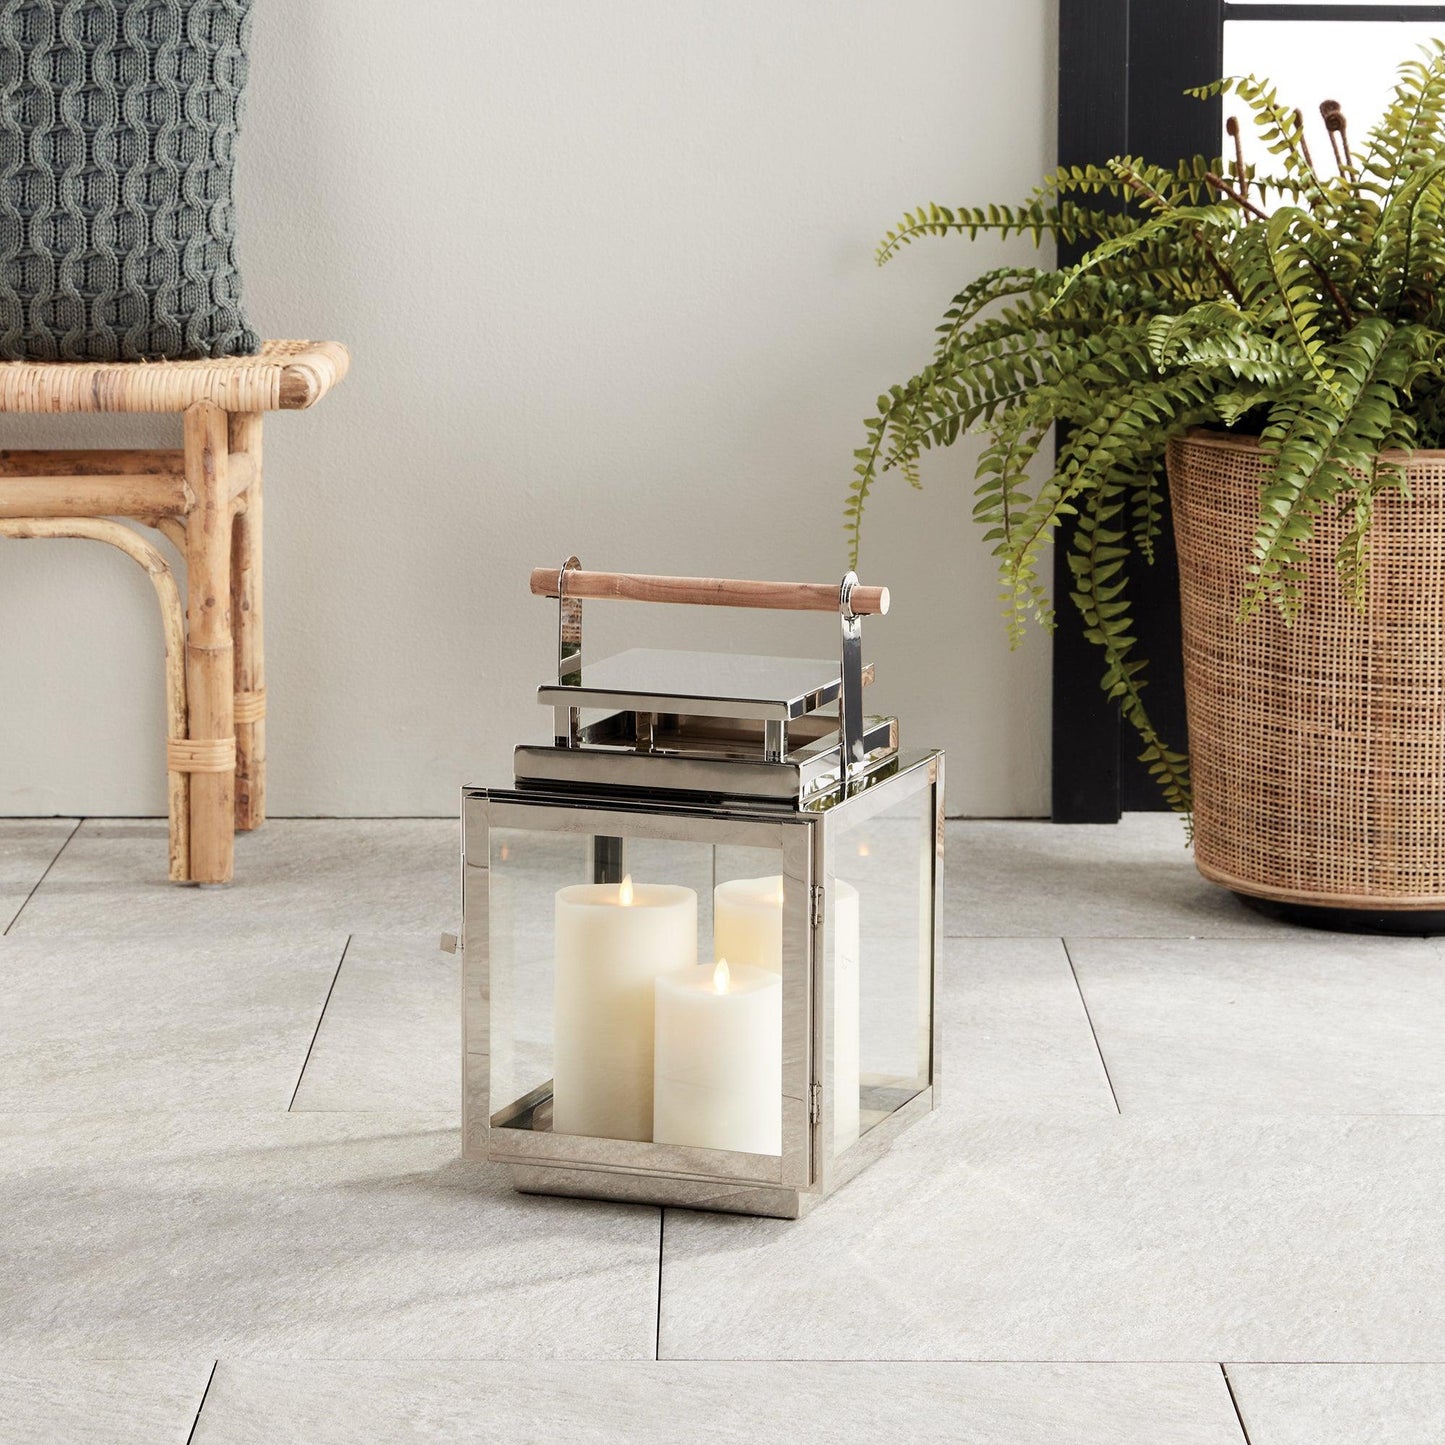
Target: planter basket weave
{"points": [[1318, 749]]}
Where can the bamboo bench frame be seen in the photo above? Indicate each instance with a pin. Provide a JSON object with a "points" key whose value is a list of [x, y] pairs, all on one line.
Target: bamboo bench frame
{"points": [[206, 500]]}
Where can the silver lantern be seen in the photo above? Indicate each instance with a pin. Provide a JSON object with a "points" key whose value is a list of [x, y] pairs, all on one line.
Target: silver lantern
{"points": [[700, 929]]}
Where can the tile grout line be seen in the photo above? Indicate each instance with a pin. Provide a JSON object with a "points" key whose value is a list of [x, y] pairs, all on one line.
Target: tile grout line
{"points": [[42, 877], [661, 1231], [345, 948], [202, 1405], [942, 1361], [1089, 1019], [1229, 1385]]}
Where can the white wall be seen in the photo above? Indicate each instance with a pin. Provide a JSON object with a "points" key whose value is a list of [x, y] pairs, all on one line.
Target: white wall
{"points": [[606, 272]]}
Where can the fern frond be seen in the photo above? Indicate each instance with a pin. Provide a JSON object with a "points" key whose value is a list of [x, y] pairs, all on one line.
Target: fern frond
{"points": [[1318, 448], [1096, 562]]}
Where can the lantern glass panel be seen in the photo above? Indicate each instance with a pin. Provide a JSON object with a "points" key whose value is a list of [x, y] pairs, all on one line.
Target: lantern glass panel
{"points": [[880, 899], [584, 1040]]}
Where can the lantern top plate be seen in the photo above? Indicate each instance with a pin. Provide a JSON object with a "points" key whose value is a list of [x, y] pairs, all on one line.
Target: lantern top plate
{"points": [[700, 684]]}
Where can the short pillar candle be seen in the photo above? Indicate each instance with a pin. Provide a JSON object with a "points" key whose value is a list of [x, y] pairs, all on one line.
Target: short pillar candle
{"points": [[718, 1080], [613, 941]]}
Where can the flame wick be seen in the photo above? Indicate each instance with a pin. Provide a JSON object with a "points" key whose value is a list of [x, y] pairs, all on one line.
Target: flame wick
{"points": [[624, 892], [722, 977]]}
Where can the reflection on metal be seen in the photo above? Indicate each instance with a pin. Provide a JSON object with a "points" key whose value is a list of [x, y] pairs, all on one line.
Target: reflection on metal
{"points": [[608, 860], [700, 684], [850, 700], [569, 655], [775, 740]]}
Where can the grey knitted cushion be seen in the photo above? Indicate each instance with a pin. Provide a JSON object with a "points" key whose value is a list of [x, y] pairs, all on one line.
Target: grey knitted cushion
{"points": [[118, 122]]}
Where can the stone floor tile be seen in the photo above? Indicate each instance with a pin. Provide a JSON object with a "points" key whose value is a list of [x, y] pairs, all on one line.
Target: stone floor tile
{"points": [[1134, 879], [105, 1023], [1341, 1404], [1113, 1240], [27, 848], [99, 1402], [324, 1235], [390, 1038], [338, 1403], [1016, 1038], [378, 875], [1310, 1023]]}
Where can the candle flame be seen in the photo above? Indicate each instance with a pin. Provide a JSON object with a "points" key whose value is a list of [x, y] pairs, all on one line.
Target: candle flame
{"points": [[779, 895], [864, 851], [624, 892], [722, 977]]}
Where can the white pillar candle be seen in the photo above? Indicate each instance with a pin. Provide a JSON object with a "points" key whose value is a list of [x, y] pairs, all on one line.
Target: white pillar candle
{"points": [[748, 926], [747, 922], [613, 940], [718, 1082], [847, 1022]]}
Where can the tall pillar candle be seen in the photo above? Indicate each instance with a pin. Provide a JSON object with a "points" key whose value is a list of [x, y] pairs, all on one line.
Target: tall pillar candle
{"points": [[847, 1017], [747, 922], [718, 1079], [748, 928], [613, 941]]}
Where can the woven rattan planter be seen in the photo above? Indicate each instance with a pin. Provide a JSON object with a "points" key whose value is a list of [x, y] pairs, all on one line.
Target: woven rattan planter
{"points": [[1318, 749]]}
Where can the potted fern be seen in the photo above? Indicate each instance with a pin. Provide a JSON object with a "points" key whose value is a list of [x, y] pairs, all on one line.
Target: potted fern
{"points": [[1272, 348]]}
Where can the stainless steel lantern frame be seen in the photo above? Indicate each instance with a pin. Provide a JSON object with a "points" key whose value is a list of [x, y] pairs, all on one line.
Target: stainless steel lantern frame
{"points": [[724, 770]]}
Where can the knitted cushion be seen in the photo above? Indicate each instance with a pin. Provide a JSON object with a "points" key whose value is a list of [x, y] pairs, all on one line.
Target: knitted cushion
{"points": [[118, 121]]}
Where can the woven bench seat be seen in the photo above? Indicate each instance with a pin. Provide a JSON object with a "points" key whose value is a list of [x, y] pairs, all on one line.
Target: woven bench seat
{"points": [[282, 376]]}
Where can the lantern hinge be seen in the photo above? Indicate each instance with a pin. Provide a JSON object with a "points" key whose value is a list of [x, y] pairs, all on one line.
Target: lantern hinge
{"points": [[815, 896], [815, 1103]]}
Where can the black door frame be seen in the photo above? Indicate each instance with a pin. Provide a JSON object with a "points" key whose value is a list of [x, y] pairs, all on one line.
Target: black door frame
{"points": [[1123, 67]]}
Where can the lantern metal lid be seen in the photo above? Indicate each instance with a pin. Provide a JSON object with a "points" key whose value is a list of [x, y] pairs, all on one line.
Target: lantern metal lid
{"points": [[724, 725]]}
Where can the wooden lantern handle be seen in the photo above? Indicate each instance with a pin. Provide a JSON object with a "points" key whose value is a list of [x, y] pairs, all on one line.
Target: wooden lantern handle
{"points": [[710, 591]]}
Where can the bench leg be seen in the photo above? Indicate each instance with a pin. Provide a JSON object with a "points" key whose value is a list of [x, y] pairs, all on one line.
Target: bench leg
{"points": [[210, 662], [247, 620]]}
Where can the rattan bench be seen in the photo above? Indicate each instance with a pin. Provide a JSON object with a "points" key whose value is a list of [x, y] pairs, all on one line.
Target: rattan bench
{"points": [[206, 499]]}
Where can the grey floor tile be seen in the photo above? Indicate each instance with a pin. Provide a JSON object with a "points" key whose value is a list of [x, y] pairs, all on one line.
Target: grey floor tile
{"points": [[1312, 1023], [1133, 879], [323, 1235], [27, 848], [1016, 1039], [99, 1402], [389, 875], [1111, 1240], [1341, 1404], [390, 1038], [811, 1404], [100, 1023]]}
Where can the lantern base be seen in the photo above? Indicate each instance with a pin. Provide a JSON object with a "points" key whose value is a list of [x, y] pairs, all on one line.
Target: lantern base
{"points": [[770, 1201]]}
